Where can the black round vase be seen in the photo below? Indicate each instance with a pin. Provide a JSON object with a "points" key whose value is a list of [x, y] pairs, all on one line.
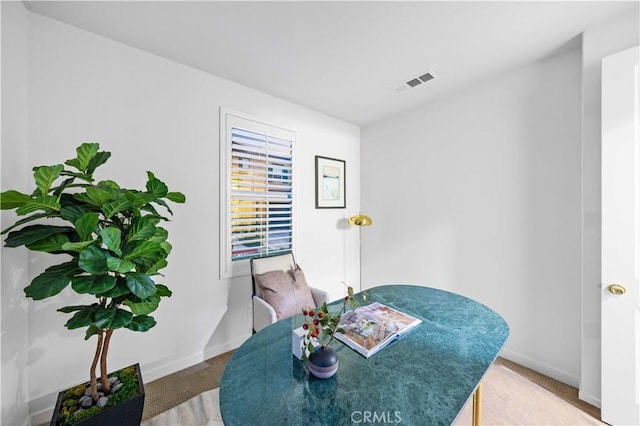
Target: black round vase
{"points": [[323, 362]]}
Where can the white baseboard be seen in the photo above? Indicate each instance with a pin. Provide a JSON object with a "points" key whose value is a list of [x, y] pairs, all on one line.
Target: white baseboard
{"points": [[542, 368], [225, 347], [43, 416], [158, 369], [595, 401]]}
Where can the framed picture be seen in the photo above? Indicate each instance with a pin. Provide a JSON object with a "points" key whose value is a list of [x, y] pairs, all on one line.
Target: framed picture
{"points": [[330, 183]]}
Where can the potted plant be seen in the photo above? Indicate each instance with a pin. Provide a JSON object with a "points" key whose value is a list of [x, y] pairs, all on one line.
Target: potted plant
{"points": [[320, 327], [112, 248]]}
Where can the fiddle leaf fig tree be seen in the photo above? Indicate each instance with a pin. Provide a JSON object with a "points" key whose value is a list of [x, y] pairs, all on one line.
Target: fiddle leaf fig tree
{"points": [[111, 241]]}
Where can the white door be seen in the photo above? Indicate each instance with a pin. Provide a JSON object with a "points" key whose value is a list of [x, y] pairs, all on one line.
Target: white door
{"points": [[620, 239]]}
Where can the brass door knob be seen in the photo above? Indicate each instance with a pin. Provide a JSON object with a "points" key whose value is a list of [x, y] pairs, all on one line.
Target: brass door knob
{"points": [[617, 289]]}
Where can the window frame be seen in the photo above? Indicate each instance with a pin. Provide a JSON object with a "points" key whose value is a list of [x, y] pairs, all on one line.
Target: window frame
{"points": [[229, 119]]}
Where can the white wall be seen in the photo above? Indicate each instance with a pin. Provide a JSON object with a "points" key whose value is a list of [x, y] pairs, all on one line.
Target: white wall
{"points": [[154, 114], [597, 43], [13, 306], [479, 194]]}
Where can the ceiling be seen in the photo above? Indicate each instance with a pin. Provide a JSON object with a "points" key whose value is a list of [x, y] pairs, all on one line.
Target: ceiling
{"points": [[343, 58]]}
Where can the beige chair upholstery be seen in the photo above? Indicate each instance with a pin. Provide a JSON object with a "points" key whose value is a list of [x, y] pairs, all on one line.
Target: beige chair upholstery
{"points": [[263, 313]]}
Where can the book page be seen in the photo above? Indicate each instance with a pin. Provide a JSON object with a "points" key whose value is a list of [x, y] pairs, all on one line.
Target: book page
{"points": [[390, 318], [368, 329], [364, 329]]}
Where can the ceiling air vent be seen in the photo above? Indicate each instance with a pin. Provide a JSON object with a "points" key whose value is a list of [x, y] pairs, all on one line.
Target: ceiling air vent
{"points": [[415, 82]]}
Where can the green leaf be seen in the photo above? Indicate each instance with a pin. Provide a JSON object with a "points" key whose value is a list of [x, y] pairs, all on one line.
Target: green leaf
{"points": [[143, 248], [163, 290], [12, 199], [34, 233], [165, 205], [119, 265], [73, 163], [155, 186], [93, 260], [150, 260], [176, 197], [83, 317], [138, 198], [77, 246], [140, 284], [117, 206], [166, 247], [98, 196], [109, 185], [78, 175], [48, 203], [69, 309], [153, 268], [111, 238], [91, 330], [51, 282], [86, 224], [121, 319], [45, 176], [71, 213], [120, 289], [99, 159], [149, 208], [142, 228], [60, 189], [144, 306], [104, 316], [160, 235], [93, 284], [111, 317], [141, 323], [52, 244], [27, 220], [86, 152]]}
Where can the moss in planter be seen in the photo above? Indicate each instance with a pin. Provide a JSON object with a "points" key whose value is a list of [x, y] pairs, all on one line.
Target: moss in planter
{"points": [[70, 404]]}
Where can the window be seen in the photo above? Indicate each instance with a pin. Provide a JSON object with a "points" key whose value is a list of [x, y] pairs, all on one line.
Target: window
{"points": [[257, 191]]}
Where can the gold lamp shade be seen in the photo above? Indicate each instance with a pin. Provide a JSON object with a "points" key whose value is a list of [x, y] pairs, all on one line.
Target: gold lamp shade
{"points": [[360, 220]]}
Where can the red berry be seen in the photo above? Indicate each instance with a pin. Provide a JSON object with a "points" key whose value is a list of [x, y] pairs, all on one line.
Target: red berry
{"points": [[319, 314], [346, 298], [316, 322], [304, 312], [305, 326]]}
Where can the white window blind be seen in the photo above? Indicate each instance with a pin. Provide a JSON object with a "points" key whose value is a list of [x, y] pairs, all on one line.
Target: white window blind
{"points": [[259, 192]]}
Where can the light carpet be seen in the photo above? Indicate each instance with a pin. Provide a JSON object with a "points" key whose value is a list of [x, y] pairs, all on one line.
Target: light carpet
{"points": [[507, 399], [201, 410], [510, 399]]}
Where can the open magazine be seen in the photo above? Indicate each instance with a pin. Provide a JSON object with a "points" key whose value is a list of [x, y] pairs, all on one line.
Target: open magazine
{"points": [[367, 329]]}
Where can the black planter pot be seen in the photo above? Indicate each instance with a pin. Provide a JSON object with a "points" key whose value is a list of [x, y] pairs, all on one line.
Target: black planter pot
{"points": [[126, 413]]}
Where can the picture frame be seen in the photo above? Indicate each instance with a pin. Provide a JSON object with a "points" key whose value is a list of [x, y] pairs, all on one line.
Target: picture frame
{"points": [[331, 183]]}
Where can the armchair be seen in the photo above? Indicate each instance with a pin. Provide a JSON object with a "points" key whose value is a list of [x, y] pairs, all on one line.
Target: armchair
{"points": [[280, 290]]}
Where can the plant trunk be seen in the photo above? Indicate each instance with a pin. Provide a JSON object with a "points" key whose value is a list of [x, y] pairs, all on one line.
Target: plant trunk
{"points": [[106, 386], [92, 372]]}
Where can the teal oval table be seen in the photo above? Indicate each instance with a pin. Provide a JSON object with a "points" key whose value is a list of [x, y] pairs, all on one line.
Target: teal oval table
{"points": [[423, 378]]}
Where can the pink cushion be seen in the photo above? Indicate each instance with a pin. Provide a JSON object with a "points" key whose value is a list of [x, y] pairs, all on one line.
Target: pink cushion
{"points": [[288, 292]]}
